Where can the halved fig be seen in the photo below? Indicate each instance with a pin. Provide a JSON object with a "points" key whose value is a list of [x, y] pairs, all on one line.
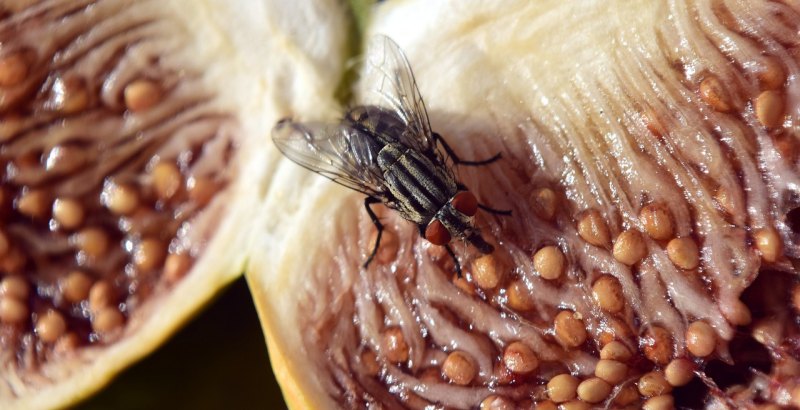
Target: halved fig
{"points": [[134, 162], [649, 158]]}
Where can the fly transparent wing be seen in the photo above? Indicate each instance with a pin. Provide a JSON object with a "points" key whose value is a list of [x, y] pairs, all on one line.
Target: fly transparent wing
{"points": [[340, 153], [390, 84]]}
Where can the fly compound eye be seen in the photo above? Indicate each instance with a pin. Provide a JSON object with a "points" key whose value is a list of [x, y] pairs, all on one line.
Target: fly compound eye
{"points": [[465, 202], [436, 233]]}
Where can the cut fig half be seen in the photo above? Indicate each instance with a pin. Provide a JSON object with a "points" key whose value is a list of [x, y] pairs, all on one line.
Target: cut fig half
{"points": [[132, 144], [649, 158]]}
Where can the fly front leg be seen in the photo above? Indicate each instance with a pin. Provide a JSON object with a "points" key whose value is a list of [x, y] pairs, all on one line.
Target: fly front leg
{"points": [[449, 251], [503, 212], [378, 225], [455, 260], [458, 161]]}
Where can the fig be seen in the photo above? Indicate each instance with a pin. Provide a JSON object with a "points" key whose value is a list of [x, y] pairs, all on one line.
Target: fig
{"points": [[648, 159], [133, 156]]}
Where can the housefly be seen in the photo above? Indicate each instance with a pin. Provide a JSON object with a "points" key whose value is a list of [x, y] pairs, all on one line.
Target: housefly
{"points": [[387, 151]]}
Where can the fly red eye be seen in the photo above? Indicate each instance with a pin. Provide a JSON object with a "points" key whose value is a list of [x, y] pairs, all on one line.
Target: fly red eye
{"points": [[465, 202], [436, 233]]}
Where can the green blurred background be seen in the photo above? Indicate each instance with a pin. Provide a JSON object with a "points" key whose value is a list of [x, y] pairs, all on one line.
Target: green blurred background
{"points": [[218, 361]]}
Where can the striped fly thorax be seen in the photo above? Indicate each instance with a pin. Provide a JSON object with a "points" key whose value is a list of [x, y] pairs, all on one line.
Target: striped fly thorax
{"points": [[419, 186]]}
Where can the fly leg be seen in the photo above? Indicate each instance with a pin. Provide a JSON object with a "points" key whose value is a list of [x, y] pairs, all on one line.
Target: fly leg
{"points": [[449, 251], [458, 161], [504, 212], [455, 260], [488, 209], [378, 225]]}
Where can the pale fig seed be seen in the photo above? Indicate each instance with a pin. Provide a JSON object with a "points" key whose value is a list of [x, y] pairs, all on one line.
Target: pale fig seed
{"points": [[76, 286], [496, 402], [615, 350], [519, 297], [769, 243], [683, 253], [662, 402], [769, 106], [562, 388], [607, 292], [593, 229], [13, 311], [653, 384], [714, 93], [520, 358], [657, 221], [657, 345], [545, 203], [394, 346], [68, 212], [486, 271], [13, 69], [167, 179], [459, 368], [570, 329], [142, 95], [14, 286], [593, 390], [50, 326], [549, 262], [107, 320], [611, 371], [629, 247], [679, 372], [701, 339]]}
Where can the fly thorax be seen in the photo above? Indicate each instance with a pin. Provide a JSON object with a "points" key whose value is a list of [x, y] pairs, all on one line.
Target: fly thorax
{"points": [[420, 187], [389, 155]]}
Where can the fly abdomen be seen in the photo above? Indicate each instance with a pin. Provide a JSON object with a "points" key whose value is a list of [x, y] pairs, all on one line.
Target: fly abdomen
{"points": [[419, 186], [379, 122]]}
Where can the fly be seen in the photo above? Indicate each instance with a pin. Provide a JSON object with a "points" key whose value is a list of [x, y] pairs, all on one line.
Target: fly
{"points": [[388, 152]]}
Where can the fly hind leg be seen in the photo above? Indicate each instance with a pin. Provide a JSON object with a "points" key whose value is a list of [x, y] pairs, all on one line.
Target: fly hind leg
{"points": [[458, 161], [378, 225]]}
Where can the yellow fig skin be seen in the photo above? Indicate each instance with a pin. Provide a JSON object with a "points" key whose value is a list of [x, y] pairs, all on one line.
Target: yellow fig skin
{"points": [[295, 394], [279, 274]]}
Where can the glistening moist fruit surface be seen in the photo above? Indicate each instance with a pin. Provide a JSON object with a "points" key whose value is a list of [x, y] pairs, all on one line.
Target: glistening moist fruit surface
{"points": [[651, 171], [114, 159]]}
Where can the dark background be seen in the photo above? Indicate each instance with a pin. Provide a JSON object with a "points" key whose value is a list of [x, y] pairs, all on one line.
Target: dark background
{"points": [[218, 361]]}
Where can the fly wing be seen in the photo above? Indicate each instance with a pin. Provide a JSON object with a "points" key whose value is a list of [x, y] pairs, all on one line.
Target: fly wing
{"points": [[340, 153], [391, 84]]}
